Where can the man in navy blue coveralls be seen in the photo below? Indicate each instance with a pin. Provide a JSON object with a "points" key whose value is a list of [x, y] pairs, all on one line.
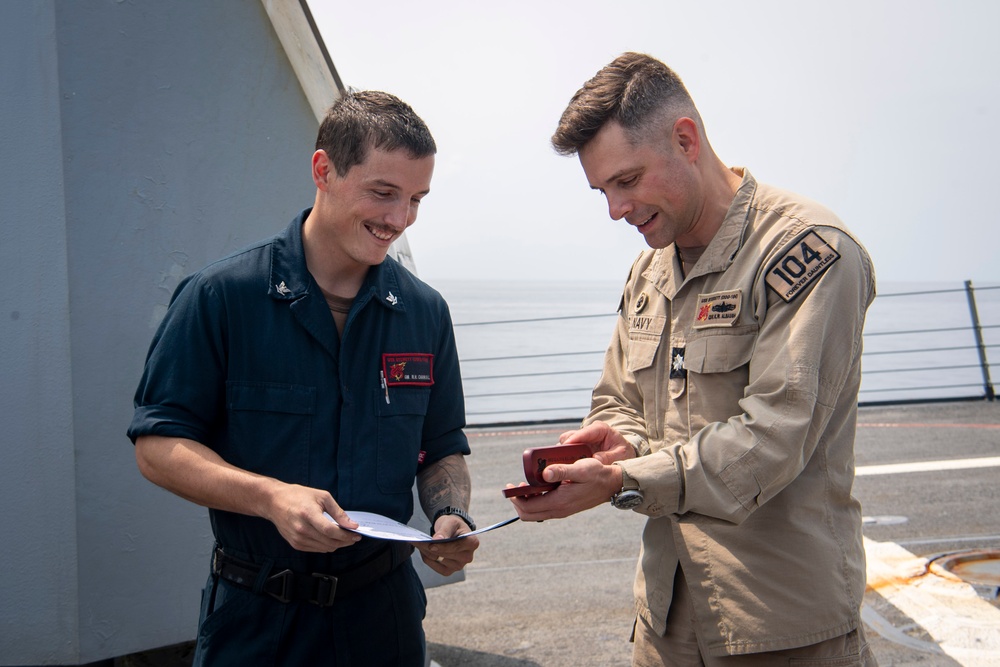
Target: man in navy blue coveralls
{"points": [[307, 374]]}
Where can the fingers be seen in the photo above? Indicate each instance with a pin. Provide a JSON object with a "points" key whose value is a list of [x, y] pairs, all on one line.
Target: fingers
{"points": [[619, 453], [580, 471], [564, 437], [299, 517], [449, 557], [338, 515], [584, 484]]}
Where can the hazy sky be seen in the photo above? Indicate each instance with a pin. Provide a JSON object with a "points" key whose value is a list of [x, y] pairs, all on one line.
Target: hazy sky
{"points": [[887, 112]]}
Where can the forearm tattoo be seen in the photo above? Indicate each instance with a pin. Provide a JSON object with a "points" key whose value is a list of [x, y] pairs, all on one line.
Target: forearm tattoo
{"points": [[445, 483]]}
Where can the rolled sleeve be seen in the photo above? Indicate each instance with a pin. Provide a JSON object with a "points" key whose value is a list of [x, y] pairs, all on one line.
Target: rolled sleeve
{"points": [[179, 393]]}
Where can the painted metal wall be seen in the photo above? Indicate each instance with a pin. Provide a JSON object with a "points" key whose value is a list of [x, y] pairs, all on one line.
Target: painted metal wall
{"points": [[138, 141]]}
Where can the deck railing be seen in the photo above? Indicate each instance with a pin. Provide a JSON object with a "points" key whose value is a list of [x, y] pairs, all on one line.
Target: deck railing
{"points": [[946, 360]]}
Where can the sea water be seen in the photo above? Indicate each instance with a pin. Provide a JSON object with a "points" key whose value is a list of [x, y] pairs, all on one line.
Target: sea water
{"points": [[532, 351]]}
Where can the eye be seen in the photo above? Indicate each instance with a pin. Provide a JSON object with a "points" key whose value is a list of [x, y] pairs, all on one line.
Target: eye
{"points": [[628, 182], [382, 194]]}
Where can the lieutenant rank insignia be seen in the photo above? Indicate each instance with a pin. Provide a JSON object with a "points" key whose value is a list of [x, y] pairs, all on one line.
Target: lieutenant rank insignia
{"points": [[408, 369], [803, 262], [718, 309]]}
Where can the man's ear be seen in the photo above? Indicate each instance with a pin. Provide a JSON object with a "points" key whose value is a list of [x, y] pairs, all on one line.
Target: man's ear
{"points": [[322, 169], [686, 136]]}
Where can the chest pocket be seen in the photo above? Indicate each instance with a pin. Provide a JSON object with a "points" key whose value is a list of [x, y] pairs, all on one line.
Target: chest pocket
{"points": [[270, 428], [718, 372], [644, 333], [400, 433], [720, 352]]}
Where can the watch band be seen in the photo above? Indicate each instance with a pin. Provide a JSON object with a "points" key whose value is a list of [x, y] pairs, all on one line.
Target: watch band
{"points": [[630, 495], [457, 511], [628, 482]]}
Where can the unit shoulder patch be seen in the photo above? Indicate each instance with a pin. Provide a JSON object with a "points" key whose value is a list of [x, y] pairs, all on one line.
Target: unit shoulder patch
{"points": [[804, 261]]}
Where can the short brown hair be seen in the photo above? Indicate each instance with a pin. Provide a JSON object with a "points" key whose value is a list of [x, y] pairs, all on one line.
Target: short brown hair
{"points": [[632, 90], [362, 120]]}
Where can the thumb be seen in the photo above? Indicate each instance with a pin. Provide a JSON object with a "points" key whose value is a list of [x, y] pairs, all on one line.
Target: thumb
{"points": [[557, 472], [339, 516]]}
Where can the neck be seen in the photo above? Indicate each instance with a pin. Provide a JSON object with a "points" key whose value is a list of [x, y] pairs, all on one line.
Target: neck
{"points": [[333, 272], [721, 184]]}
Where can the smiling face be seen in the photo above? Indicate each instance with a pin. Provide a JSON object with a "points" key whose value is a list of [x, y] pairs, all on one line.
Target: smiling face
{"points": [[357, 216], [652, 183]]}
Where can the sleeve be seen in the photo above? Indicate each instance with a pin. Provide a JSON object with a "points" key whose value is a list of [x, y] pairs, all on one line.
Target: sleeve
{"points": [[180, 393], [617, 399], [443, 433], [803, 369]]}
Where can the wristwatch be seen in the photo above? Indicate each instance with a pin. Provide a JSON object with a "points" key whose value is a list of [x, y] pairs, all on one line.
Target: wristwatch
{"points": [[630, 496], [457, 511]]}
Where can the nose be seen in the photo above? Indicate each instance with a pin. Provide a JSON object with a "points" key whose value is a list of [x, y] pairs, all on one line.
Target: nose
{"points": [[618, 207], [401, 215]]}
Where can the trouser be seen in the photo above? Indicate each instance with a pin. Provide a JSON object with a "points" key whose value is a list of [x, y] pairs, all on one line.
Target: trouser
{"points": [[679, 646], [378, 625]]}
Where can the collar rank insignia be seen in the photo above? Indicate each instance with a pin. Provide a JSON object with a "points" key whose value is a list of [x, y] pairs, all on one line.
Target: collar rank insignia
{"points": [[392, 299]]}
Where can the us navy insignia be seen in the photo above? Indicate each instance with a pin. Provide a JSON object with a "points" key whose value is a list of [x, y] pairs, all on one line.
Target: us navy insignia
{"points": [[805, 261], [640, 303], [677, 369], [718, 309]]}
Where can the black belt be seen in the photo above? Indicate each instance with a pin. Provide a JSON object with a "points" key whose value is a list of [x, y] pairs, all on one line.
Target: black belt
{"points": [[317, 588]]}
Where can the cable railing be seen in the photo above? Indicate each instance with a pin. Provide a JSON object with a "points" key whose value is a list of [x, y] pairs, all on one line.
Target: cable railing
{"points": [[903, 362]]}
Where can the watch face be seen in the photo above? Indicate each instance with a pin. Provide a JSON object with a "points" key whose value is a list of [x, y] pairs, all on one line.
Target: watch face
{"points": [[627, 499]]}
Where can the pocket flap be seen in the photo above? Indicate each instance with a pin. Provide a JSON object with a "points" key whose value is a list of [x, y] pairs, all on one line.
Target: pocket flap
{"points": [[719, 352]]}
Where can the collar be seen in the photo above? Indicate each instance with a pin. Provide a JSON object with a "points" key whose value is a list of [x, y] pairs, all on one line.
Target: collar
{"points": [[290, 279]]}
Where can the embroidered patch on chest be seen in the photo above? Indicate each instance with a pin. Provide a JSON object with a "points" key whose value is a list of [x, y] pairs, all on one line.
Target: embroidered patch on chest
{"points": [[408, 368], [804, 262], [677, 367], [718, 309]]}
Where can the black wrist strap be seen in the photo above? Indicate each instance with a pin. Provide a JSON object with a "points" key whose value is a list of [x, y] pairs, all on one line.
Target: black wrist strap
{"points": [[457, 511]]}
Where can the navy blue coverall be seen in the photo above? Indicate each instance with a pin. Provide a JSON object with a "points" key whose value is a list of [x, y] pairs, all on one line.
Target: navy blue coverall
{"points": [[248, 362]]}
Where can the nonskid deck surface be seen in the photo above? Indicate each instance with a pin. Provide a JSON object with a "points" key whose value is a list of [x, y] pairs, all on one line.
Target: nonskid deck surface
{"points": [[560, 592]]}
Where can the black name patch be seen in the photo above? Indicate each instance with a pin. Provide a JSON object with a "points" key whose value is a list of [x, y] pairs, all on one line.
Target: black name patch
{"points": [[804, 262], [408, 368]]}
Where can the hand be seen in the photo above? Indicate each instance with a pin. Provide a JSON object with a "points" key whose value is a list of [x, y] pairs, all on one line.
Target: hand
{"points": [[584, 484], [297, 512], [447, 558], [607, 444]]}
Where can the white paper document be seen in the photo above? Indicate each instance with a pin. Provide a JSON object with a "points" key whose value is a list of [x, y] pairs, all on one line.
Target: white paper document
{"points": [[384, 528]]}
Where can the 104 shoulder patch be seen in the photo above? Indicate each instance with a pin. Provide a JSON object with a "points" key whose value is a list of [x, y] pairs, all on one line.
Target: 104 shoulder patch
{"points": [[803, 262]]}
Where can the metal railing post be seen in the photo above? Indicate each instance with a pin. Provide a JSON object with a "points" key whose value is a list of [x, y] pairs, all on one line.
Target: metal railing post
{"points": [[977, 330]]}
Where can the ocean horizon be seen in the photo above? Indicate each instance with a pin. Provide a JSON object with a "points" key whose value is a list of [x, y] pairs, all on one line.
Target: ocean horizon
{"points": [[533, 350]]}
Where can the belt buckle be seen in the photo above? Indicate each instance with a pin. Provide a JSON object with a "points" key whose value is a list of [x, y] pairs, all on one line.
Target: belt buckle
{"points": [[285, 576], [326, 589]]}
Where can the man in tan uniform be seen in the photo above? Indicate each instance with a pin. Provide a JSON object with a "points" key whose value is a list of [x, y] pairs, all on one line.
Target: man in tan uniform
{"points": [[727, 407]]}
